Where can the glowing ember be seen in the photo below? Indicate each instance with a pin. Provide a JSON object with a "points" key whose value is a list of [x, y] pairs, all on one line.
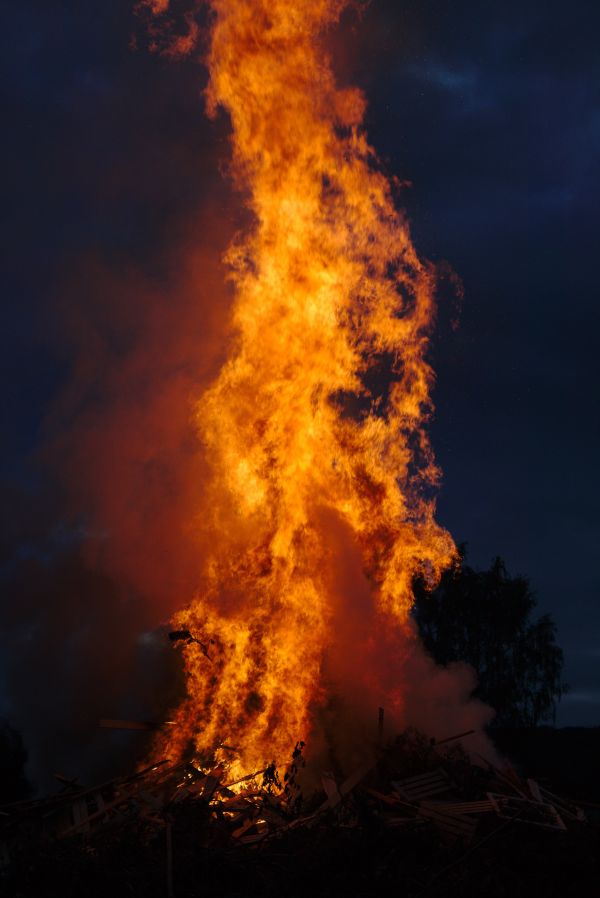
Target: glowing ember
{"points": [[312, 452]]}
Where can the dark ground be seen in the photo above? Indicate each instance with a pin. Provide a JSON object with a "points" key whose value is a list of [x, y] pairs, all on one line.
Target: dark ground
{"points": [[365, 861], [365, 857]]}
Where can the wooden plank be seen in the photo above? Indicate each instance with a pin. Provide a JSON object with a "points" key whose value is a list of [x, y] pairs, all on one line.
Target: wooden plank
{"points": [[150, 800], [401, 821], [436, 774], [245, 779], [458, 822], [271, 816], [108, 723], [438, 789], [464, 807], [211, 785], [527, 811], [108, 807], [80, 815], [513, 782], [355, 778], [241, 830], [535, 790], [330, 787], [386, 799], [453, 738], [236, 803], [565, 806], [347, 786], [418, 788], [127, 792], [459, 826]]}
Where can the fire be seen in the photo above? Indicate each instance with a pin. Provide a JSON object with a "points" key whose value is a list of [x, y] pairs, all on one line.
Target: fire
{"points": [[316, 420]]}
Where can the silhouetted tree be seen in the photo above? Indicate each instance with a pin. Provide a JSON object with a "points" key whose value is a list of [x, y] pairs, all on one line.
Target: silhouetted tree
{"points": [[485, 618], [14, 785]]}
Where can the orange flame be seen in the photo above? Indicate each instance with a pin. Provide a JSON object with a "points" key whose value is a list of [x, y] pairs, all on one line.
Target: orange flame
{"points": [[304, 427]]}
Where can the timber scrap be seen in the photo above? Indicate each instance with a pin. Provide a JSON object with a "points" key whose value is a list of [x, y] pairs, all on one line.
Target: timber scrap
{"points": [[411, 786]]}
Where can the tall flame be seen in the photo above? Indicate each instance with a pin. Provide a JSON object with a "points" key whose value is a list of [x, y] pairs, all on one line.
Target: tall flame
{"points": [[316, 419]]}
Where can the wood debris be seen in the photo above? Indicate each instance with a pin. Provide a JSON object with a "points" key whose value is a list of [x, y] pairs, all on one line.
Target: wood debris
{"points": [[402, 787]]}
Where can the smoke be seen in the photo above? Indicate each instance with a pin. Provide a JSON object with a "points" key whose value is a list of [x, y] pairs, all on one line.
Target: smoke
{"points": [[101, 535], [124, 428], [376, 662], [101, 559], [174, 36], [105, 544], [71, 657]]}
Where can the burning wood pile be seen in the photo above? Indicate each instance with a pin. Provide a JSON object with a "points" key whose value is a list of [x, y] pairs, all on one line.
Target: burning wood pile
{"points": [[426, 801]]}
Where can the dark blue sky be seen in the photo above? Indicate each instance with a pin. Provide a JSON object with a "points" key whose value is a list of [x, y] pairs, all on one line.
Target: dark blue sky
{"points": [[491, 110]]}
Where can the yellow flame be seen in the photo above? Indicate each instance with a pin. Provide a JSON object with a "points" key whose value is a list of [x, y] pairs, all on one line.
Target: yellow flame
{"points": [[328, 287]]}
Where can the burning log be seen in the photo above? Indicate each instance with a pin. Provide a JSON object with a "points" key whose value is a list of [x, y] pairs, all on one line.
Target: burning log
{"points": [[109, 723], [186, 636]]}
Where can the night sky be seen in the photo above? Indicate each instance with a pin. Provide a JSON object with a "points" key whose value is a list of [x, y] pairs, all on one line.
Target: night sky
{"points": [[491, 111]]}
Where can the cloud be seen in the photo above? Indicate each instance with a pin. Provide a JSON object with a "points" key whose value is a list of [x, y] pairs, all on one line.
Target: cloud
{"points": [[442, 76]]}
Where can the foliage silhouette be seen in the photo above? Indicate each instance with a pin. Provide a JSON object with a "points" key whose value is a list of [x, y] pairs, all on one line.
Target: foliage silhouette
{"points": [[485, 618]]}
